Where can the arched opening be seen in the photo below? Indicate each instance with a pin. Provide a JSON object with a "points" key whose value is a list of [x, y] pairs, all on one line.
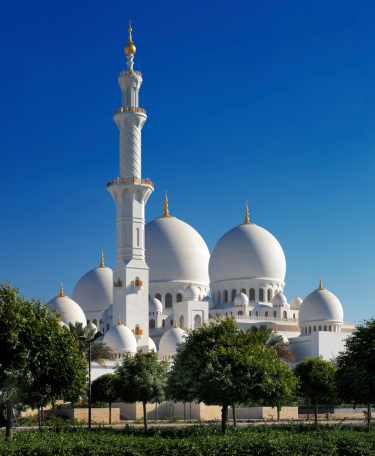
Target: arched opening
{"points": [[151, 324], [171, 322], [294, 316], [256, 313], [266, 314], [107, 326], [261, 294], [163, 324], [274, 313], [158, 296], [168, 300], [182, 322], [252, 294], [314, 328], [269, 294], [330, 328], [225, 295], [325, 328], [284, 315], [95, 321], [197, 321], [218, 298], [179, 297], [249, 313], [234, 294], [240, 313], [101, 321], [320, 328]]}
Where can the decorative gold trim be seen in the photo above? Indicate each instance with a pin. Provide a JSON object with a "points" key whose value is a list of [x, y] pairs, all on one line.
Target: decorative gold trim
{"points": [[61, 295]]}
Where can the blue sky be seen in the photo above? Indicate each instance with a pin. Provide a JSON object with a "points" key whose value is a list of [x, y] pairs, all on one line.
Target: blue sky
{"points": [[271, 102]]}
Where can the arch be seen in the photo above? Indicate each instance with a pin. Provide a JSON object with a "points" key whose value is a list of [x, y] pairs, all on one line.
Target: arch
{"points": [[274, 313], [269, 294], [163, 324], [138, 196], [225, 295], [181, 322], [151, 324], [325, 328], [330, 328], [107, 326], [309, 329], [158, 296], [171, 322], [284, 315], [314, 328], [294, 316], [249, 313], [320, 328], [266, 314], [234, 294], [261, 294], [95, 321], [218, 298], [168, 300], [240, 313], [256, 313], [101, 321], [179, 297], [252, 294], [197, 321]]}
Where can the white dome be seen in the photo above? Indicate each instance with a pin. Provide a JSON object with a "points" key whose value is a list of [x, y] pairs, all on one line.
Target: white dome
{"points": [[146, 348], [69, 309], [170, 340], [247, 252], [120, 337], [276, 335], [155, 305], [241, 300], [321, 306], [295, 303], [279, 300], [94, 291], [191, 293], [175, 252]]}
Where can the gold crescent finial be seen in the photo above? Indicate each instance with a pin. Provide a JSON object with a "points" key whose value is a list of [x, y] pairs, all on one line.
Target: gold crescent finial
{"points": [[119, 321], [130, 48], [166, 211], [61, 295], [320, 285], [102, 260], [275, 328], [175, 324], [247, 221]]}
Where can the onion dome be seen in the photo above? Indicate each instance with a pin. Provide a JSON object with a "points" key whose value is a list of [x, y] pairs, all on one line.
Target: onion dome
{"points": [[279, 300], [191, 293], [295, 303], [155, 305], [70, 311], [277, 335], [170, 340], [94, 291], [120, 338], [247, 252], [130, 48], [321, 306], [241, 300], [175, 252]]}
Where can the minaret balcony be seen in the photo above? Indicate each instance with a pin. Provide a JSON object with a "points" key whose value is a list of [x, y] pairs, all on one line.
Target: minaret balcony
{"points": [[130, 109], [127, 180], [137, 285], [133, 72]]}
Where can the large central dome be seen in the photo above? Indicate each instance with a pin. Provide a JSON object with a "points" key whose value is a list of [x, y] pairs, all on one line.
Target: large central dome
{"points": [[175, 252], [247, 252]]}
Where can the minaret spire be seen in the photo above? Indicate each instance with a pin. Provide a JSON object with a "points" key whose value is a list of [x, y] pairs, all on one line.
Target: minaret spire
{"points": [[130, 49], [102, 260]]}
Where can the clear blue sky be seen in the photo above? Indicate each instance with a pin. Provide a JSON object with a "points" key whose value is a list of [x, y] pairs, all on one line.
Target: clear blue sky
{"points": [[271, 102]]}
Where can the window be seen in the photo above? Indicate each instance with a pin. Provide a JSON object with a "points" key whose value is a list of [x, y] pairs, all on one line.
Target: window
{"points": [[151, 324], [107, 326], [249, 313], [269, 294], [179, 297], [294, 316], [234, 294], [171, 322], [168, 300], [240, 313], [225, 295], [284, 315], [256, 313], [197, 321], [218, 298], [320, 328], [314, 328], [309, 329], [101, 321], [243, 291], [266, 314], [261, 294], [88, 322], [330, 328], [182, 321], [163, 324], [274, 313], [325, 328], [95, 321], [158, 296], [252, 294]]}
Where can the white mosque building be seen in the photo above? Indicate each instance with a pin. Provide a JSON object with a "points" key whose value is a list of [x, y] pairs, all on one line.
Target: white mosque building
{"points": [[165, 281]]}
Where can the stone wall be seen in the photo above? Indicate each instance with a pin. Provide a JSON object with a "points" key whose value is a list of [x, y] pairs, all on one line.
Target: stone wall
{"points": [[99, 415]]}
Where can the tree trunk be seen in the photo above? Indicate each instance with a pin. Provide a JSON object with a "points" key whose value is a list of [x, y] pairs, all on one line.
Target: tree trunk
{"points": [[368, 414], [234, 415], [327, 415], [278, 413], [308, 411], [316, 411], [9, 426], [39, 418], [145, 416], [110, 413], [224, 419]]}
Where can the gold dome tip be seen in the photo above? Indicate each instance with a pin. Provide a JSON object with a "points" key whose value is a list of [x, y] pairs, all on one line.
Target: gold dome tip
{"points": [[247, 221], [119, 321], [320, 285], [130, 48], [102, 260], [175, 324], [275, 328], [166, 210], [61, 295]]}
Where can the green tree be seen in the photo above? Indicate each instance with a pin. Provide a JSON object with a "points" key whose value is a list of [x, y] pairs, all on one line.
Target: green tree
{"points": [[220, 364], [142, 378], [105, 389], [100, 352], [39, 361], [317, 381], [356, 366], [274, 342]]}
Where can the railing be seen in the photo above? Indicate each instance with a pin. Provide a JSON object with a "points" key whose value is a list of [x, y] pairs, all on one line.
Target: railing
{"points": [[131, 109], [269, 318], [124, 180], [123, 72], [138, 332], [137, 283], [118, 283]]}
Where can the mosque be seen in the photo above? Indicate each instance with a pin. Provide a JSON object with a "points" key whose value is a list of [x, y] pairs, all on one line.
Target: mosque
{"points": [[165, 281]]}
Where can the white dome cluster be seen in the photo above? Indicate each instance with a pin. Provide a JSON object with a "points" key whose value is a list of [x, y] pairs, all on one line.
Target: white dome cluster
{"points": [[70, 311], [170, 341], [121, 339]]}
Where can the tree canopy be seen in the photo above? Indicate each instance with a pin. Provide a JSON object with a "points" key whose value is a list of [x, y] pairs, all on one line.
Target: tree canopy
{"points": [[142, 378], [39, 361], [220, 364], [105, 389], [317, 381]]}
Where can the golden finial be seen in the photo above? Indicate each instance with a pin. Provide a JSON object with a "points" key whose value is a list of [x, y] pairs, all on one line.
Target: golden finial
{"points": [[166, 212], [102, 260], [119, 321], [175, 324], [320, 285], [61, 295], [130, 48], [247, 221], [275, 328]]}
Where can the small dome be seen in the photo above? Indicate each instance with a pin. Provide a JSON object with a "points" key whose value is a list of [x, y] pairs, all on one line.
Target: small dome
{"points": [[279, 300], [241, 300], [120, 337], [191, 293], [321, 306], [146, 348], [247, 252], [94, 291], [70, 311], [295, 303], [155, 305], [277, 335], [170, 340], [92, 326]]}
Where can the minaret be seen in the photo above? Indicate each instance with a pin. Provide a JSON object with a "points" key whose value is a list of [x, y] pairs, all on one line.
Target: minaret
{"points": [[130, 193]]}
